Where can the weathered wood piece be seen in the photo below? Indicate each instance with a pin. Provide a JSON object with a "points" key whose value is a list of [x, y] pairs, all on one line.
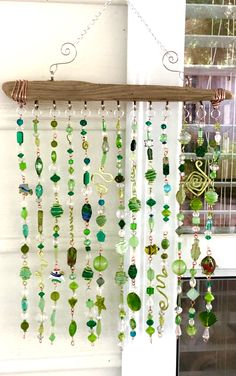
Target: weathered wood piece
{"points": [[86, 91]]}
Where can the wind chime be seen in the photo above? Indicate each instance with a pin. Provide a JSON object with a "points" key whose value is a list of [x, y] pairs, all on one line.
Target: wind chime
{"points": [[195, 185]]}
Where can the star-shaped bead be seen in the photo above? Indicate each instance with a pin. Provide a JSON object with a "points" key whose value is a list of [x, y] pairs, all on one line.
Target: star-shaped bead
{"points": [[100, 303]]}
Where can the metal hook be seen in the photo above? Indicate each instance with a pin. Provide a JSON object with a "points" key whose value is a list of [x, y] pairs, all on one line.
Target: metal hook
{"points": [[66, 49], [173, 58]]}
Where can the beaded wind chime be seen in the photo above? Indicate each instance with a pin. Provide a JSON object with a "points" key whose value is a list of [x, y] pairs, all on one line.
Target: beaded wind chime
{"points": [[130, 297]]}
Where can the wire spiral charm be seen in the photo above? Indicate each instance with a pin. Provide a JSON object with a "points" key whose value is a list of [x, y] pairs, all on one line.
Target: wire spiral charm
{"points": [[67, 49], [197, 182]]}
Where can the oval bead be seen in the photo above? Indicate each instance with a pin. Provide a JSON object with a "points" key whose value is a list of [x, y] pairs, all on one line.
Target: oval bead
{"points": [[86, 212], [53, 156], [132, 271], [134, 301], [71, 256], [39, 190], [39, 166], [72, 328]]}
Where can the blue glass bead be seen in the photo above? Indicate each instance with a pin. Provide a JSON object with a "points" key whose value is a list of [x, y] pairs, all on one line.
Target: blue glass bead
{"points": [[25, 230], [133, 333], [209, 224], [19, 121], [101, 202], [167, 188]]}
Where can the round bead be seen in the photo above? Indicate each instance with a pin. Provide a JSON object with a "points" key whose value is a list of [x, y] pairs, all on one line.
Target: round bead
{"points": [[179, 267], [100, 263], [196, 203]]}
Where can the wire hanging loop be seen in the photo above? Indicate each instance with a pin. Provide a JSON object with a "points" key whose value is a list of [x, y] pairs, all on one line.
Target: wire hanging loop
{"points": [[201, 113], [67, 49], [219, 97], [19, 92], [171, 58]]}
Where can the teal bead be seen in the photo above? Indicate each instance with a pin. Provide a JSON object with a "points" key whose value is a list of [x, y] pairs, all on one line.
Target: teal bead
{"points": [[19, 121], [101, 236], [25, 230], [56, 210], [24, 304], [39, 190], [20, 137], [167, 188]]}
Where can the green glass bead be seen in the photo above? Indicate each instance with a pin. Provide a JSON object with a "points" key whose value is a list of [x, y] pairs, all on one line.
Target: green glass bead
{"points": [[181, 168], [39, 190], [52, 337], [71, 256], [122, 314], [53, 317], [166, 213], [53, 123], [191, 330], [39, 166], [87, 242], [55, 178], [121, 336], [121, 278], [134, 204], [101, 220], [132, 323], [22, 166], [25, 249], [25, 273], [101, 236], [92, 337], [148, 123], [86, 231], [56, 210], [195, 250], [83, 122], [40, 221], [149, 322], [99, 327], [151, 175], [121, 223], [209, 297], [151, 249], [20, 137], [24, 213], [196, 221], [132, 271], [86, 178], [83, 132], [24, 326], [72, 302], [72, 328], [181, 195], [71, 161], [211, 197], [164, 256], [133, 226], [71, 184], [163, 138], [193, 294], [178, 320], [150, 291], [192, 311], [179, 267], [133, 301], [41, 304], [151, 222], [165, 243], [91, 324], [150, 331], [87, 273], [150, 274], [193, 272], [180, 217], [133, 241], [201, 149], [54, 143], [166, 169], [119, 141], [149, 154], [196, 204], [55, 296], [213, 175], [151, 202], [20, 155], [53, 156], [73, 286], [100, 263]]}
